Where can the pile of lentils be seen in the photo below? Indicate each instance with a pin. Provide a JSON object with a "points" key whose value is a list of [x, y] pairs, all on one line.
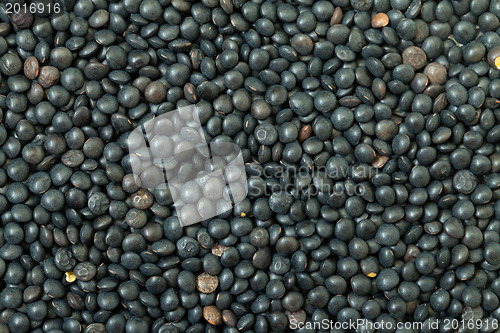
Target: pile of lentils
{"points": [[373, 182]]}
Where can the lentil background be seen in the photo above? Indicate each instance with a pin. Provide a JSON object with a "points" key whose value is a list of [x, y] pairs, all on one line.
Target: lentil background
{"points": [[379, 117]]}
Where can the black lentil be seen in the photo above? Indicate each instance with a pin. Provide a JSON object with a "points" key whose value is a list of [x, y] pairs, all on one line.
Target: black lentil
{"points": [[369, 132]]}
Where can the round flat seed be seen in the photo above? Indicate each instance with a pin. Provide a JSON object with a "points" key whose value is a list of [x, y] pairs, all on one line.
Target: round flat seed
{"points": [[207, 283], [31, 68], [415, 57], [436, 73], [212, 314], [380, 20]]}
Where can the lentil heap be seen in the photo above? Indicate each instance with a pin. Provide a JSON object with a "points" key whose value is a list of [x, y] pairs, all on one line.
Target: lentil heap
{"points": [[369, 129]]}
